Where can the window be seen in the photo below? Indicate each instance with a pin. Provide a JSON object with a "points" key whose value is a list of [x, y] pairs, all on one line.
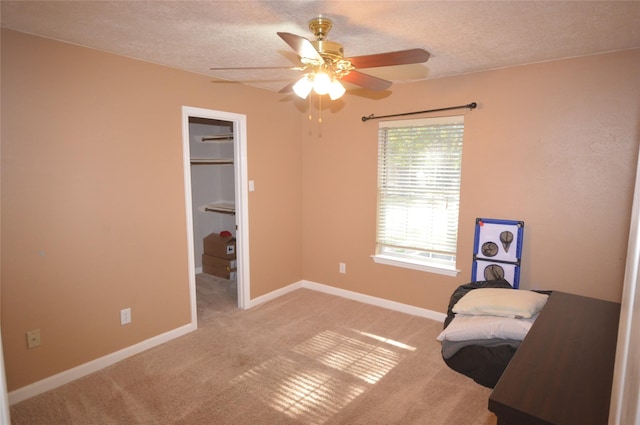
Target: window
{"points": [[419, 167]]}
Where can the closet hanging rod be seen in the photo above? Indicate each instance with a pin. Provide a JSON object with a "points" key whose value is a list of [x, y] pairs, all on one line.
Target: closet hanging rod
{"points": [[218, 161], [220, 210], [225, 136], [471, 105]]}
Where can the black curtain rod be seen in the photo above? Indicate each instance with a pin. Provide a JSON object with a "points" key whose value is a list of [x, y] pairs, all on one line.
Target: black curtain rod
{"points": [[471, 105]]}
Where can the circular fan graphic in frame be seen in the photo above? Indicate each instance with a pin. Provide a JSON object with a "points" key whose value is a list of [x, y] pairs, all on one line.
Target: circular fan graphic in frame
{"points": [[493, 272], [489, 249], [486, 270], [497, 250]]}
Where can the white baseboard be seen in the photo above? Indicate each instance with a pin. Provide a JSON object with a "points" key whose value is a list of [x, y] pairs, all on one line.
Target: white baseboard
{"points": [[67, 376], [85, 369], [379, 302], [355, 296], [275, 294]]}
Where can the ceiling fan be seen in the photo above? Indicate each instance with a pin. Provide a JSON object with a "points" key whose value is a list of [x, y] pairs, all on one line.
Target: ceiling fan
{"points": [[324, 64]]}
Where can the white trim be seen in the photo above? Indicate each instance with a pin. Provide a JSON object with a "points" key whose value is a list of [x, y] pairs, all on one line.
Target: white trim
{"points": [[407, 264], [5, 414], [85, 369], [275, 294], [241, 201], [77, 372], [355, 296], [379, 302], [625, 399], [242, 211], [186, 161]]}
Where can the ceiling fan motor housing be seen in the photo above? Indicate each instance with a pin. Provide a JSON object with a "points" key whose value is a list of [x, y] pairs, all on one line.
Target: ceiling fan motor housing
{"points": [[333, 50], [333, 55], [320, 27]]}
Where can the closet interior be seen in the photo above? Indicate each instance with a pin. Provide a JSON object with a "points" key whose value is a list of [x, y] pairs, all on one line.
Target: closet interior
{"points": [[211, 149]]}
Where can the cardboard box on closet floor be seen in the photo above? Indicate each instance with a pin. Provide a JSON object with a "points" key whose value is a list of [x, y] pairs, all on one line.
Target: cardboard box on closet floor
{"points": [[219, 258]]}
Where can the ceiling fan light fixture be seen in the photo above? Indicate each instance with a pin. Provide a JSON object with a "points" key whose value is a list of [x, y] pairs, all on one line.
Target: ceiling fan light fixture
{"points": [[321, 83], [303, 87], [336, 90]]}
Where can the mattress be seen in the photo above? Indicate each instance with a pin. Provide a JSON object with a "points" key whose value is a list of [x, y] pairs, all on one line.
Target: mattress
{"points": [[485, 360]]}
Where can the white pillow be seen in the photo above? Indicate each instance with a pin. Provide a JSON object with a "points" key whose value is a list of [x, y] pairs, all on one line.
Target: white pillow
{"points": [[501, 302], [465, 327]]}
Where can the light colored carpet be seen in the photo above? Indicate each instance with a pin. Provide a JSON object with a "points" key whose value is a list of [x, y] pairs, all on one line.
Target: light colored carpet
{"points": [[305, 358]]}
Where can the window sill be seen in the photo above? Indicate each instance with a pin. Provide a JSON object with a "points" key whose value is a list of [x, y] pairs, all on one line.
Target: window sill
{"points": [[407, 264]]}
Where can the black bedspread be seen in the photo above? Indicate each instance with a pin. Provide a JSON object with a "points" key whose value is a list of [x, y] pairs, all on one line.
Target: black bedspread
{"points": [[483, 364]]}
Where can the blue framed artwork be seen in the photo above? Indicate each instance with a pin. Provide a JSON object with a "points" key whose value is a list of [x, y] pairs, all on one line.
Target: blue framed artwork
{"points": [[497, 250]]}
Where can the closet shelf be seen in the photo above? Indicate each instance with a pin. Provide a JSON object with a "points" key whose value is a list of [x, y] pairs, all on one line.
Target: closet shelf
{"points": [[219, 161], [220, 207], [223, 137]]}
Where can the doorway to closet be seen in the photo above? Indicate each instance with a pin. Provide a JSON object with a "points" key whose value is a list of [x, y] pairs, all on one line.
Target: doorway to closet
{"points": [[215, 176]]}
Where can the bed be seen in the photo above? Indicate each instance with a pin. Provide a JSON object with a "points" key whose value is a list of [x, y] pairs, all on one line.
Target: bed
{"points": [[483, 356]]}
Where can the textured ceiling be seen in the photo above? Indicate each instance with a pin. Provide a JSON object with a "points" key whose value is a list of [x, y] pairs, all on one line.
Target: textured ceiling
{"points": [[462, 36]]}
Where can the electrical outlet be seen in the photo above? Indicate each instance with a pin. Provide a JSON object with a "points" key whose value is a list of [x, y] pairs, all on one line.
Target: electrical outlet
{"points": [[125, 316], [343, 268], [33, 338]]}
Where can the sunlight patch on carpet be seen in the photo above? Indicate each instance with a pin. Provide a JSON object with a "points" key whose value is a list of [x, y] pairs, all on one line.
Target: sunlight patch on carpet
{"points": [[387, 340], [324, 373], [358, 358], [302, 393]]}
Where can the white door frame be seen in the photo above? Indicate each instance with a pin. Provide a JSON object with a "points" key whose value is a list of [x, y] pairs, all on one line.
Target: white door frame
{"points": [[241, 193], [5, 417], [625, 394]]}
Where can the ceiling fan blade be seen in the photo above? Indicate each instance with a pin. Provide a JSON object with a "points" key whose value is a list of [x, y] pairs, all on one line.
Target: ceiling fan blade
{"points": [[302, 46], [366, 81], [292, 68], [288, 88], [401, 57]]}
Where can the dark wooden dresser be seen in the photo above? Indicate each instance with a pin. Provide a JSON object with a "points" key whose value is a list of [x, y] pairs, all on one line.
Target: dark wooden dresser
{"points": [[563, 371]]}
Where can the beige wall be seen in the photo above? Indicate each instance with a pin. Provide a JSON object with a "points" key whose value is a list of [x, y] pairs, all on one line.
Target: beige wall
{"points": [[93, 200], [93, 205], [553, 144]]}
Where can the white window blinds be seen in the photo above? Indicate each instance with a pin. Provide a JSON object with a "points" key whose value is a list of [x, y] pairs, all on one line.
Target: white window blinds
{"points": [[419, 167]]}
